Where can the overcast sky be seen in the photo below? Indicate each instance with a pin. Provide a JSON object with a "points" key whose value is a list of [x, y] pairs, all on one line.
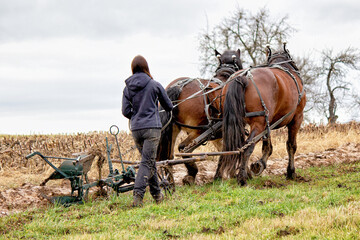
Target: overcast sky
{"points": [[63, 63]]}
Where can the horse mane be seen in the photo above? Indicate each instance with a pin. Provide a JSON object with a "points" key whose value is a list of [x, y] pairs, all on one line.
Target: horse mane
{"points": [[224, 72], [233, 120]]}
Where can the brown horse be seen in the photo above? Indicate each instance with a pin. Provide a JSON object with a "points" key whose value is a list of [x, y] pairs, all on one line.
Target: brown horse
{"points": [[197, 108], [264, 98]]}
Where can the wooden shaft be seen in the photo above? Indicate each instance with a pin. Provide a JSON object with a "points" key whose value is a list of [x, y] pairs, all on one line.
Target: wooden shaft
{"points": [[124, 161], [208, 153], [166, 162], [180, 161]]}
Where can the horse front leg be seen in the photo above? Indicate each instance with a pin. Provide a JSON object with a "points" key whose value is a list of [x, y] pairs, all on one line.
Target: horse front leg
{"points": [[244, 171], [259, 166], [191, 167]]}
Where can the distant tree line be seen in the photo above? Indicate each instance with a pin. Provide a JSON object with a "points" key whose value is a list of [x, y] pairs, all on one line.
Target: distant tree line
{"points": [[325, 82]]}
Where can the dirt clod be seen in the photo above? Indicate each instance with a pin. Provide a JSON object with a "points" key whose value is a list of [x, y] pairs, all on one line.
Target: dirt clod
{"points": [[287, 231]]}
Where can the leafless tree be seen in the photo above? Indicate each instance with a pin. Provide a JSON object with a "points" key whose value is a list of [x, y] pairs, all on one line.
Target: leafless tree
{"points": [[245, 31], [335, 66], [251, 33], [357, 100], [309, 72]]}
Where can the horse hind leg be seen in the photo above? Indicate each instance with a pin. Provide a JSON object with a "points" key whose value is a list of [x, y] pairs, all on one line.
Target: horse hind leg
{"points": [[244, 171], [291, 146], [259, 166]]}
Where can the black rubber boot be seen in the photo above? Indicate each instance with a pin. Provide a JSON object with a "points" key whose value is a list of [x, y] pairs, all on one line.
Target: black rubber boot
{"points": [[138, 201], [159, 198]]}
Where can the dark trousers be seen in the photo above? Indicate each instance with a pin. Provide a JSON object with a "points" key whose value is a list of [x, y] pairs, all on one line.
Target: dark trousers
{"points": [[147, 141]]}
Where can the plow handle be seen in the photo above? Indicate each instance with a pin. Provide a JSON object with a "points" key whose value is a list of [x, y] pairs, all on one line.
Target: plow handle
{"points": [[33, 154]]}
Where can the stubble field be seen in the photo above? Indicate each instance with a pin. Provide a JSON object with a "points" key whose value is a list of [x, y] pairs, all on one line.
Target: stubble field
{"points": [[20, 178]]}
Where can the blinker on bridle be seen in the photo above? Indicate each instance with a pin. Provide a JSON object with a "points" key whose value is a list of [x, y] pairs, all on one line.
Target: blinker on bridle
{"points": [[234, 65]]}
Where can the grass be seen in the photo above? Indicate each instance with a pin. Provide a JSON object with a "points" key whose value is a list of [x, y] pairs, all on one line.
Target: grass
{"points": [[322, 204]]}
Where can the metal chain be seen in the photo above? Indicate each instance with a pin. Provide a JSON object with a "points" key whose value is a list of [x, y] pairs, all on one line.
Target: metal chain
{"points": [[243, 148]]}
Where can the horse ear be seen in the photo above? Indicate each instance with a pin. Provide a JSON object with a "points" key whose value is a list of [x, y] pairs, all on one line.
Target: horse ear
{"points": [[285, 50], [238, 52], [217, 54], [268, 51]]}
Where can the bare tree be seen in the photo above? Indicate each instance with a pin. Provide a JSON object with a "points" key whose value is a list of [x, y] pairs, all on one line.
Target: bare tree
{"points": [[335, 66], [251, 33], [357, 100], [309, 72]]}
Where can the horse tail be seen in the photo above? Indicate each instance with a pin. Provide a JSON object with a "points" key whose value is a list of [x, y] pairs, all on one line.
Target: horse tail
{"points": [[166, 145], [233, 127]]}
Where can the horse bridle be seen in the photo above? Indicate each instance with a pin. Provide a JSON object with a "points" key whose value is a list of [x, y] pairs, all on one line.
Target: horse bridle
{"points": [[281, 55]]}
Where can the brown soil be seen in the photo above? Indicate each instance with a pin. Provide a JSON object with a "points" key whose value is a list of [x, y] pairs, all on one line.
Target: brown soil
{"points": [[30, 196]]}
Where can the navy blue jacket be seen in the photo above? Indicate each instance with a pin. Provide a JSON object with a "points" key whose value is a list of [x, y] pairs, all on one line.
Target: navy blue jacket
{"points": [[140, 101]]}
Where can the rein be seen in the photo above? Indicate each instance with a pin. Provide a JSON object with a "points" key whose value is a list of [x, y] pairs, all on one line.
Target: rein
{"points": [[229, 69], [194, 95]]}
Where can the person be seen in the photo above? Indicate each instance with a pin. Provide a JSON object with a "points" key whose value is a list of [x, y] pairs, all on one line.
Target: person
{"points": [[140, 104]]}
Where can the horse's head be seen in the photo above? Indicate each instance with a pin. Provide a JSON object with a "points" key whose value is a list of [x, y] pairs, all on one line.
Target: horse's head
{"points": [[281, 57], [229, 63]]}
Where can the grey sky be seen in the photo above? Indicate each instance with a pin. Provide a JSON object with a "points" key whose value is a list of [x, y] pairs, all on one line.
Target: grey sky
{"points": [[63, 63]]}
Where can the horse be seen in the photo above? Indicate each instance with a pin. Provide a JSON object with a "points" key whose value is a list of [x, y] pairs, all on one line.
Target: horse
{"points": [[197, 108], [262, 98]]}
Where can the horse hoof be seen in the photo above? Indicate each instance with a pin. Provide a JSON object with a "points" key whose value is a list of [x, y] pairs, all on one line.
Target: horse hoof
{"points": [[291, 176], [257, 168], [188, 180], [242, 182], [217, 178]]}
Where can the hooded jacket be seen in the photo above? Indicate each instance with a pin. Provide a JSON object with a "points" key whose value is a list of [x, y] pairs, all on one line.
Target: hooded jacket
{"points": [[140, 101]]}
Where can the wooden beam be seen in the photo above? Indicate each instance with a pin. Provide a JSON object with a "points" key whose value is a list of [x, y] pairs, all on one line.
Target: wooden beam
{"points": [[207, 154]]}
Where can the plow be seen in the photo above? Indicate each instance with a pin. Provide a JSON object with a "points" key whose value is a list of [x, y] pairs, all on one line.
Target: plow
{"points": [[75, 170]]}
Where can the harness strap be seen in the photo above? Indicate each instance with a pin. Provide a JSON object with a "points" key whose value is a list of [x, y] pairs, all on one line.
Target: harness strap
{"points": [[261, 113], [293, 77], [274, 125], [217, 81], [254, 114], [201, 127]]}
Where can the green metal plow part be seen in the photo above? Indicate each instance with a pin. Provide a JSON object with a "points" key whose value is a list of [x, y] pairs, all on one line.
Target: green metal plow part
{"points": [[75, 170]]}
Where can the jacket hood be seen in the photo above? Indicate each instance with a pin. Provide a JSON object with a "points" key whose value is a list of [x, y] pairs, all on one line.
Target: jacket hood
{"points": [[137, 81]]}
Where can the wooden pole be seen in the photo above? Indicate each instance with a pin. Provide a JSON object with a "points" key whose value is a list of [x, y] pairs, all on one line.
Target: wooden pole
{"points": [[207, 154], [165, 162], [124, 161], [180, 161]]}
